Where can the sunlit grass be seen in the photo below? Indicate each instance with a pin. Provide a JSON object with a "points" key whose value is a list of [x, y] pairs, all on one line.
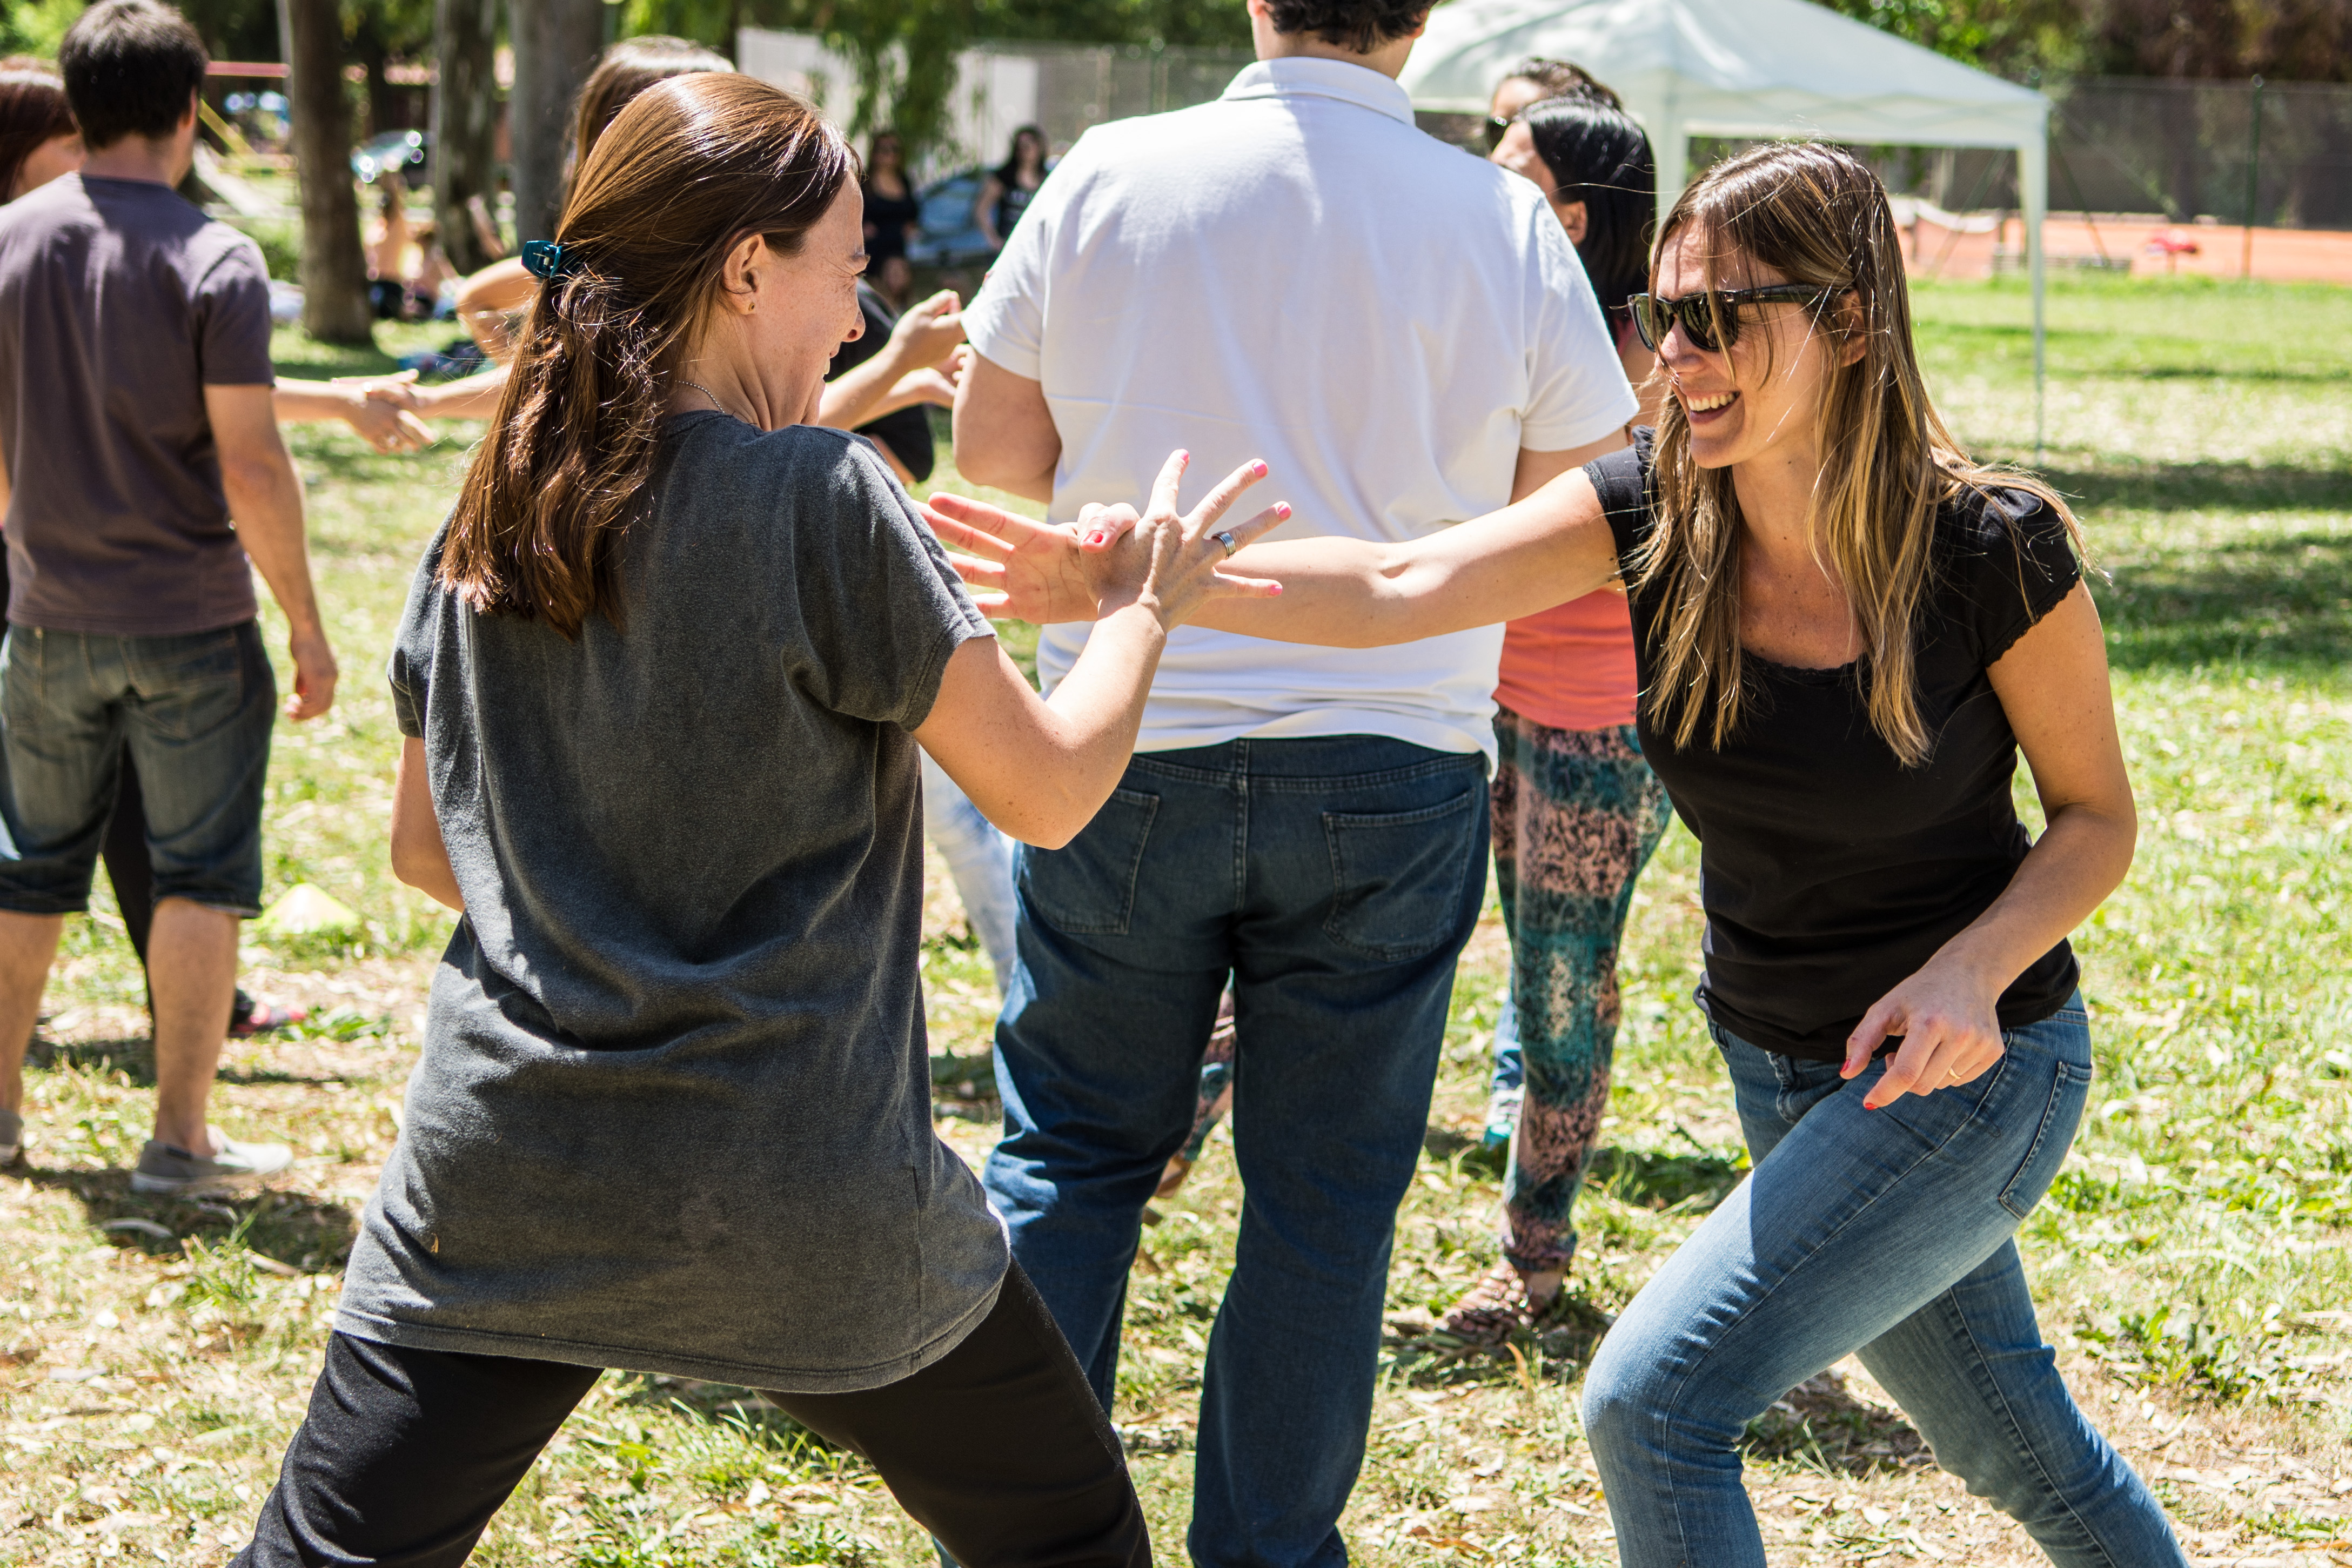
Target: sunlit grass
{"points": [[2192, 1261]]}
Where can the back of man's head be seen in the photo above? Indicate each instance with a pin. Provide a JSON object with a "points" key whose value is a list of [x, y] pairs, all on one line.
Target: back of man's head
{"points": [[131, 67], [1361, 25]]}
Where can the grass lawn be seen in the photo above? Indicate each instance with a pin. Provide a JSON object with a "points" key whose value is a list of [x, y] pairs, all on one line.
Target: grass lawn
{"points": [[2192, 1263]]}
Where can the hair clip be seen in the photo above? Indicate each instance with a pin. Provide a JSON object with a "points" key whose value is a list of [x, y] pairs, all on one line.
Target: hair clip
{"points": [[545, 260]]}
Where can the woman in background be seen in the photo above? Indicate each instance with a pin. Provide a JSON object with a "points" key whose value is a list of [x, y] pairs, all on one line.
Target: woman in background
{"points": [[1005, 194], [892, 213], [1577, 811]]}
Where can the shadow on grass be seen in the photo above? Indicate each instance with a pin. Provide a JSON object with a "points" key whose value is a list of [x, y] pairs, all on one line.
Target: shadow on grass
{"points": [[2204, 486], [1662, 1181], [2280, 600], [1555, 1350], [1821, 1425], [134, 1057], [291, 1233]]}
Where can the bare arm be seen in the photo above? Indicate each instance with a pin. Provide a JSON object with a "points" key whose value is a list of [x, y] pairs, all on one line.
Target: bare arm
{"points": [[983, 211], [1554, 546], [475, 396], [1004, 433], [382, 422], [2053, 685], [265, 502], [419, 857], [1536, 470], [1041, 768], [925, 336], [488, 298]]}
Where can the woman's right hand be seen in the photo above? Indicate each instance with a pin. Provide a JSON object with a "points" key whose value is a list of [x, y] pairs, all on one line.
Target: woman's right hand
{"points": [[1051, 573], [1170, 561]]}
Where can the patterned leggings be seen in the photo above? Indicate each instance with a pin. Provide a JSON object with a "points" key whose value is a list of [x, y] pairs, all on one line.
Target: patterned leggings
{"points": [[1577, 815]]}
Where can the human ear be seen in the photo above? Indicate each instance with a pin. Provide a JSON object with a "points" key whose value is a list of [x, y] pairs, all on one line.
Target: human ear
{"points": [[1573, 218], [1854, 338], [740, 282]]}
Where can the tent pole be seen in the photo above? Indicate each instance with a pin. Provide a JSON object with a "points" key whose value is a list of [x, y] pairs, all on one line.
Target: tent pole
{"points": [[2033, 188]]}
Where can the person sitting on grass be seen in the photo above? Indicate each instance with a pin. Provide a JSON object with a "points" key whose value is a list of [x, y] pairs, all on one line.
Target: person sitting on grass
{"points": [[1847, 630], [663, 676]]}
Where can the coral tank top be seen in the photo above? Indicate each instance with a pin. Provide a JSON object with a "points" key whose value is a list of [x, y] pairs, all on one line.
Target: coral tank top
{"points": [[1571, 666]]}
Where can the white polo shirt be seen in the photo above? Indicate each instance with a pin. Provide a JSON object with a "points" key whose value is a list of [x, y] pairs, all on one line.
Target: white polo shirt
{"points": [[1294, 272]]}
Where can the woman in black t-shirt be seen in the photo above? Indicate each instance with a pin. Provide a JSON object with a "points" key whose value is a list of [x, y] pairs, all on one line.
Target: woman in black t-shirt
{"points": [[1846, 630], [892, 218]]}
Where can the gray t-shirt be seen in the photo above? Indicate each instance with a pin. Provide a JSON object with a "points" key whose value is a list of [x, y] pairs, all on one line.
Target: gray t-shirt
{"points": [[119, 303], [673, 1111]]}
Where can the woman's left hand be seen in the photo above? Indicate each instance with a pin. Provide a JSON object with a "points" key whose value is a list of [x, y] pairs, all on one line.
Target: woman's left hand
{"points": [[1950, 1029]]}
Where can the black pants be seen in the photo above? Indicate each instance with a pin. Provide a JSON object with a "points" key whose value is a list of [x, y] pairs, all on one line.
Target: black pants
{"points": [[407, 1454]]}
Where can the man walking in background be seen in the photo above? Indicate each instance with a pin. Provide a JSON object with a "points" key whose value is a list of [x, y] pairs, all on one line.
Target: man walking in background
{"points": [[1403, 332], [136, 422]]}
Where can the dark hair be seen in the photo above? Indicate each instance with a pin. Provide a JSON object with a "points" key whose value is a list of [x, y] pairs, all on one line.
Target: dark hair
{"points": [[690, 169], [626, 69], [1597, 155], [32, 110], [1010, 169], [1559, 79], [1362, 26], [131, 67]]}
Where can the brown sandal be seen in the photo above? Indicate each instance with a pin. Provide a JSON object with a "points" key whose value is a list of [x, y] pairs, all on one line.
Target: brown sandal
{"points": [[1495, 1307]]}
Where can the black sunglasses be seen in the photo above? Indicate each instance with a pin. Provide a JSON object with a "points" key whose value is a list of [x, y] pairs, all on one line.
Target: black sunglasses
{"points": [[1490, 135], [1699, 315]]}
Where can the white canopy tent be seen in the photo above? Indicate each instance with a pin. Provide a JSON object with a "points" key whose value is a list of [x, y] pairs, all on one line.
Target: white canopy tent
{"points": [[1749, 69]]}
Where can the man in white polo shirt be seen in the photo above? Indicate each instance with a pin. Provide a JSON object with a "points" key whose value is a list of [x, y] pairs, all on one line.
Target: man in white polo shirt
{"points": [[1403, 332]]}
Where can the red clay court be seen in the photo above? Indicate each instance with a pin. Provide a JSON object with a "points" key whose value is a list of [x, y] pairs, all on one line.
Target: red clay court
{"points": [[2151, 245]]}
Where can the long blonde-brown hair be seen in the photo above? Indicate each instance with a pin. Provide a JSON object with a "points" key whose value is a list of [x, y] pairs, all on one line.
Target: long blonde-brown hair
{"points": [[1817, 215], [691, 168]]}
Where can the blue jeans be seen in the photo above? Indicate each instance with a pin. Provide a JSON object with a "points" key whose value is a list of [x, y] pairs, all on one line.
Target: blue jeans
{"points": [[1335, 879], [194, 713], [980, 863], [1886, 1233]]}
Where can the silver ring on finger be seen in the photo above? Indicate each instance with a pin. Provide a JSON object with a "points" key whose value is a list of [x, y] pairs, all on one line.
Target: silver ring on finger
{"points": [[1226, 538]]}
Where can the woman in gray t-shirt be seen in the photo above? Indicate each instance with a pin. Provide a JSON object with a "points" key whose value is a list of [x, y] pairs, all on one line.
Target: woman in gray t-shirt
{"points": [[663, 675]]}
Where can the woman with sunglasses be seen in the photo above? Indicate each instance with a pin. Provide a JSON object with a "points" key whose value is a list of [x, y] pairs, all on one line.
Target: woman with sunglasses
{"points": [[1847, 630], [1577, 812]]}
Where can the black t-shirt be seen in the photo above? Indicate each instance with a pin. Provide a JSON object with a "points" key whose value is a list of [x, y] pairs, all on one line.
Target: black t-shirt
{"points": [[1830, 871], [889, 216], [908, 432]]}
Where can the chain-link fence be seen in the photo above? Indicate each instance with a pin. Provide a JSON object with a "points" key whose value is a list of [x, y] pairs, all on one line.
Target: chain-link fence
{"points": [[2180, 150], [1081, 85]]}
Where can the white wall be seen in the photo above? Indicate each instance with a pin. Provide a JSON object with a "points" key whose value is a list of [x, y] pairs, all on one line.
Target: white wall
{"points": [[994, 93]]}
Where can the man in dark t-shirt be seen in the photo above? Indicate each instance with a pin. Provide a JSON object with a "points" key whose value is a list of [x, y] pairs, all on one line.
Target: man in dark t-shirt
{"points": [[142, 471]]}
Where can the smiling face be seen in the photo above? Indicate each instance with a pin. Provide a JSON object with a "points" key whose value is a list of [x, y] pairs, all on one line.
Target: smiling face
{"points": [[779, 318], [1761, 398]]}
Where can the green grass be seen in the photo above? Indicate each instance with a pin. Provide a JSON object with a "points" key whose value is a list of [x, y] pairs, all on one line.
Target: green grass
{"points": [[2192, 1261]]}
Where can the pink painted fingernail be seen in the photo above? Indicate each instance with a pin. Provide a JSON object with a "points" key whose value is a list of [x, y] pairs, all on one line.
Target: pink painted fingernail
{"points": [[1095, 536], [1258, 469], [1282, 509]]}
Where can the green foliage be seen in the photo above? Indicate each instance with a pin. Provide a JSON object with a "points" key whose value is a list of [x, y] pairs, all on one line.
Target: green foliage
{"points": [[36, 27], [2018, 39]]}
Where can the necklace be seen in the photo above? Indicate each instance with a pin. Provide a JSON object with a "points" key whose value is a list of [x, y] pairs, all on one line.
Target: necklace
{"points": [[715, 403]]}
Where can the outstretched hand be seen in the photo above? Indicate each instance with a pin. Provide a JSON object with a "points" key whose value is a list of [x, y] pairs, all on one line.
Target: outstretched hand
{"points": [[1051, 572]]}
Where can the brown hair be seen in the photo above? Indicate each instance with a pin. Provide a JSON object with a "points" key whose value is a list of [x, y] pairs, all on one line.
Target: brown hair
{"points": [[626, 69], [1816, 215], [32, 110], [689, 171]]}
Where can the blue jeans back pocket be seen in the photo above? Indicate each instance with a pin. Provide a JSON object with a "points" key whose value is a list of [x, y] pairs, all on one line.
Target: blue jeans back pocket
{"points": [[1087, 888], [2070, 1090], [1397, 876]]}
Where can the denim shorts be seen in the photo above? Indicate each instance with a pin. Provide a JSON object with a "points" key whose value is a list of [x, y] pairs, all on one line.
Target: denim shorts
{"points": [[196, 713]]}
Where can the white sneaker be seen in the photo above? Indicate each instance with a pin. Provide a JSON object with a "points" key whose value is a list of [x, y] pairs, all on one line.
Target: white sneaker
{"points": [[12, 1137], [166, 1168]]}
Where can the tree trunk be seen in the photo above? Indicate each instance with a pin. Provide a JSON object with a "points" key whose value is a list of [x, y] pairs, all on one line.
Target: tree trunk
{"points": [[334, 269], [465, 126], [555, 47]]}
